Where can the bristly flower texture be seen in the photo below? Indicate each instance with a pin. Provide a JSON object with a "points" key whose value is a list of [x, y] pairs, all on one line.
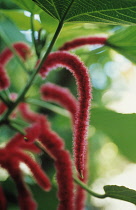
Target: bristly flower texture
{"points": [[63, 97], [10, 158], [23, 51], [40, 130], [81, 74], [79, 42], [55, 148]]}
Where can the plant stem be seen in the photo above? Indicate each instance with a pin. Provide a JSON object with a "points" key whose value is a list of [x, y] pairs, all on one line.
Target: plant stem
{"points": [[33, 36], [19, 122], [28, 85], [77, 181], [6, 102], [84, 186], [49, 106], [17, 128], [5, 39]]}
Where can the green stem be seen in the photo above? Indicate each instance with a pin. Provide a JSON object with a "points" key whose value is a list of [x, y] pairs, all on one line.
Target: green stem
{"points": [[33, 36], [17, 128], [28, 85], [5, 39], [19, 122], [85, 187], [77, 181], [6, 102], [49, 106]]}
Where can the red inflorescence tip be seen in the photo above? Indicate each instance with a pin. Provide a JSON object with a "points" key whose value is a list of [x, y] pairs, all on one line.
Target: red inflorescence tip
{"points": [[79, 42], [81, 74]]}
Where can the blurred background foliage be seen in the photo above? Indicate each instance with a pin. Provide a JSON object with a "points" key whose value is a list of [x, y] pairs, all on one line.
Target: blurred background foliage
{"points": [[112, 133]]}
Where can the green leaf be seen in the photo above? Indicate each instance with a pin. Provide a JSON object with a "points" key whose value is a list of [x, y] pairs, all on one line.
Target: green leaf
{"points": [[19, 18], [119, 127], [124, 42], [28, 5], [120, 192], [10, 30], [105, 11]]}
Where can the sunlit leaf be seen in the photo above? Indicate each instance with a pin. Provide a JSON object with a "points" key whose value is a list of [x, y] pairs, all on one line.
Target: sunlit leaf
{"points": [[28, 5], [105, 11], [18, 17], [119, 127], [120, 192], [124, 42], [10, 30]]}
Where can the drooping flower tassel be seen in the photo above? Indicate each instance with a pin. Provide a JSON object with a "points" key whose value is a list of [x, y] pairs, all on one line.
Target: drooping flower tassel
{"points": [[23, 51], [4, 80], [25, 199], [79, 42], [54, 145], [60, 95], [21, 48], [80, 72]]}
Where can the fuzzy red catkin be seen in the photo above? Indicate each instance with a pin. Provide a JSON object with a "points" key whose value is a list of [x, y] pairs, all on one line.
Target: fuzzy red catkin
{"points": [[65, 180], [44, 126], [18, 140], [54, 146], [79, 42], [55, 93], [27, 113], [4, 80], [25, 198], [3, 202], [80, 72], [3, 108], [62, 96], [63, 166], [22, 49], [80, 193], [37, 172]]}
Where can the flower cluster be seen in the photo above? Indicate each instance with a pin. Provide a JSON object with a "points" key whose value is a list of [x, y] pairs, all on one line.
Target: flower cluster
{"points": [[39, 129]]}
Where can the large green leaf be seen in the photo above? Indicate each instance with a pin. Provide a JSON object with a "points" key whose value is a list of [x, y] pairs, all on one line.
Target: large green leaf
{"points": [[28, 5], [120, 192], [10, 31], [124, 42], [71, 30], [19, 18], [121, 128], [106, 11]]}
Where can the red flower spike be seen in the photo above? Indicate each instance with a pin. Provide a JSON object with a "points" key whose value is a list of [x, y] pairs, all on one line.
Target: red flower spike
{"points": [[71, 62], [52, 142], [4, 80], [79, 42], [3, 202], [27, 113], [22, 49], [62, 96], [63, 166], [25, 199], [65, 180], [3, 108], [10, 162], [44, 126], [18, 140], [55, 147], [80, 194], [37, 172]]}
